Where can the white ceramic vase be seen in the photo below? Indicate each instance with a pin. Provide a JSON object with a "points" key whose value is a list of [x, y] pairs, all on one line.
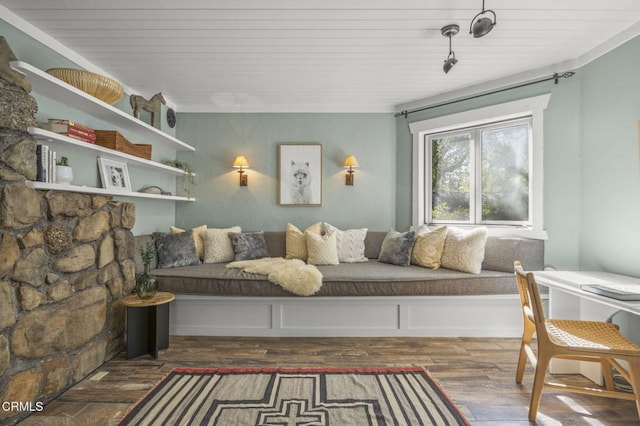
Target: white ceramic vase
{"points": [[64, 174]]}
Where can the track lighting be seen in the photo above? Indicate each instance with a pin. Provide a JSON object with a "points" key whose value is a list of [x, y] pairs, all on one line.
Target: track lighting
{"points": [[449, 31], [482, 25]]}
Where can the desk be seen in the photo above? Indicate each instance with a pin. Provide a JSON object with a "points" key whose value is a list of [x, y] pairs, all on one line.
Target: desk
{"points": [[568, 301], [147, 324]]}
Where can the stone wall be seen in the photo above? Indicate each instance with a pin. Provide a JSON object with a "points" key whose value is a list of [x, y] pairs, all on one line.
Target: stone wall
{"points": [[66, 261]]}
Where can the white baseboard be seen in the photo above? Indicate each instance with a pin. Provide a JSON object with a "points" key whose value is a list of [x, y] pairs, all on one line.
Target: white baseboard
{"points": [[426, 316]]}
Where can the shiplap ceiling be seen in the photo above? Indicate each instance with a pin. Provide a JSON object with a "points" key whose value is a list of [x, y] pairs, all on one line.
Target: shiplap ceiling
{"points": [[321, 55]]}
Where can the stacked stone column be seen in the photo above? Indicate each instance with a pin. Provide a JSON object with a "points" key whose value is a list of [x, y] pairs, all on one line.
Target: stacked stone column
{"points": [[66, 261]]}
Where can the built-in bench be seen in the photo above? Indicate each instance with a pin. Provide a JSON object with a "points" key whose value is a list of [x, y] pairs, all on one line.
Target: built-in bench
{"points": [[356, 299]]}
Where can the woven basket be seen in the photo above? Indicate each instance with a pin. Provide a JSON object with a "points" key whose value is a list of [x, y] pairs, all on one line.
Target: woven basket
{"points": [[99, 86]]}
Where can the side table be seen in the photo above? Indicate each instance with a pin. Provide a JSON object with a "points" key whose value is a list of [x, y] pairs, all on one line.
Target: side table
{"points": [[147, 324]]}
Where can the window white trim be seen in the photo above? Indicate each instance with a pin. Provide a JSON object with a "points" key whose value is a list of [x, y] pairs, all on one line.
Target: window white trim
{"points": [[534, 107]]}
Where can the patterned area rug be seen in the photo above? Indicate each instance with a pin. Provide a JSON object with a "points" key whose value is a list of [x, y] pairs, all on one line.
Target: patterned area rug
{"points": [[281, 396]]}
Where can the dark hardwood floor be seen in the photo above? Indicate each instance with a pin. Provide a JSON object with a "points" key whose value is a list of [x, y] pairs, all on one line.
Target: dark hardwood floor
{"points": [[477, 373]]}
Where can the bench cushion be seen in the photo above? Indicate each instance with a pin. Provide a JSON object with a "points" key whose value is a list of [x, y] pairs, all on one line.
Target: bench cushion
{"points": [[371, 278]]}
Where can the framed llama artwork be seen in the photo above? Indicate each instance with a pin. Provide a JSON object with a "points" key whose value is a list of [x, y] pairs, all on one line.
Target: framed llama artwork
{"points": [[299, 174]]}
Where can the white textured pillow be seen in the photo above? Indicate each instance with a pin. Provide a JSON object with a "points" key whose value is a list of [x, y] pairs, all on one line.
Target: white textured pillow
{"points": [[217, 244], [296, 243], [350, 244], [464, 249], [322, 249], [427, 250], [197, 237]]}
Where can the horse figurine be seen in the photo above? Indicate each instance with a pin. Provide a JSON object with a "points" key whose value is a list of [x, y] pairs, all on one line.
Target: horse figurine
{"points": [[151, 106]]}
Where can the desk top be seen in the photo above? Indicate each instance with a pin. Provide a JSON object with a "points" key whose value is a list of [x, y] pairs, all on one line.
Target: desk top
{"points": [[570, 282], [159, 298]]}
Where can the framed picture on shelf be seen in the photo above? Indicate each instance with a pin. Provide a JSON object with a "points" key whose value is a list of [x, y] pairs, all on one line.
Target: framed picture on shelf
{"points": [[114, 174], [299, 174]]}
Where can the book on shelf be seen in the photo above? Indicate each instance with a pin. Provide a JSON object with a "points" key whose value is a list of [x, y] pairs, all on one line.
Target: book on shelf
{"points": [[52, 166], [39, 168], [42, 154], [70, 123], [71, 129], [46, 161]]}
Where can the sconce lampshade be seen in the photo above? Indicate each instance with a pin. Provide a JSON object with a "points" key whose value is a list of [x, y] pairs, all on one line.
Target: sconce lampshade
{"points": [[351, 161], [241, 162]]}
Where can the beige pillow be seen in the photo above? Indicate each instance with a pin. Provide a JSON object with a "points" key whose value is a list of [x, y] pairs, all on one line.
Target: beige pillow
{"points": [[217, 244], [296, 243], [322, 249], [464, 249], [197, 237], [427, 250]]}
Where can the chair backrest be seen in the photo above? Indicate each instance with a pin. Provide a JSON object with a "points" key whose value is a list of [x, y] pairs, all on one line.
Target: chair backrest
{"points": [[525, 300], [535, 310]]}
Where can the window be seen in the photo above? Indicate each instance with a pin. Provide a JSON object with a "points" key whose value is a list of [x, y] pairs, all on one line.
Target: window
{"points": [[480, 175], [482, 167]]}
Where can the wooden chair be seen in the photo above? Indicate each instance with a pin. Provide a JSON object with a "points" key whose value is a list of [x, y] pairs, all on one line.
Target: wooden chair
{"points": [[591, 341]]}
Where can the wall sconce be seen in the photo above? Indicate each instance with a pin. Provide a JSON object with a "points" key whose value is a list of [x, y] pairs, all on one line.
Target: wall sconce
{"points": [[350, 161], [241, 162]]}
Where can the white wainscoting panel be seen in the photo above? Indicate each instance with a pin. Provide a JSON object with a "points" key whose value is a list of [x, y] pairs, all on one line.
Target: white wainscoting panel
{"points": [[443, 316]]}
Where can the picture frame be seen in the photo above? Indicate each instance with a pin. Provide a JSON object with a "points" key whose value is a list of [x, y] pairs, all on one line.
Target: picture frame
{"points": [[114, 174], [299, 174]]}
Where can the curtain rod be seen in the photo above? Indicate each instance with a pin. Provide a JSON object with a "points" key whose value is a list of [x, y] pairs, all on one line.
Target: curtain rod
{"points": [[555, 77]]}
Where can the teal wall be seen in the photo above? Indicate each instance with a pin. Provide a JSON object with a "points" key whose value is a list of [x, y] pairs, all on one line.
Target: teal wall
{"points": [[610, 213], [221, 202]]}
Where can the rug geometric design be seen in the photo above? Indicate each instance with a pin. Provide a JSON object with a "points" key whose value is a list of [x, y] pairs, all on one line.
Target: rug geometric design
{"points": [[296, 396]]}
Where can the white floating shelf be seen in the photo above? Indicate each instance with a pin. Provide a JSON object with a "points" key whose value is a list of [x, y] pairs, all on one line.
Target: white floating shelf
{"points": [[51, 138], [53, 88], [102, 191]]}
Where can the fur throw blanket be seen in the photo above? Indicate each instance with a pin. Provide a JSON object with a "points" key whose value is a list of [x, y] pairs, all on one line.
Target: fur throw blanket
{"points": [[291, 274]]}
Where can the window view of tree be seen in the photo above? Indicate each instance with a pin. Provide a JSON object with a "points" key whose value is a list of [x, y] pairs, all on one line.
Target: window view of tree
{"points": [[505, 174], [494, 185], [451, 179]]}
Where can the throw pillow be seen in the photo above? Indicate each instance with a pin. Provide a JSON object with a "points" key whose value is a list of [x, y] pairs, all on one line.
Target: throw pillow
{"points": [[296, 243], [322, 249], [464, 249], [396, 247], [350, 244], [217, 244], [249, 245], [176, 249], [197, 237], [427, 250]]}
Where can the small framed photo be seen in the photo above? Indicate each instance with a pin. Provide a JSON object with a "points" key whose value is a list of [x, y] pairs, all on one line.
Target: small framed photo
{"points": [[114, 174], [299, 174]]}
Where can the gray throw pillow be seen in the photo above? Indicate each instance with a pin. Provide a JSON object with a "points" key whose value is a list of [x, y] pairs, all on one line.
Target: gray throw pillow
{"points": [[249, 245], [396, 247], [176, 249]]}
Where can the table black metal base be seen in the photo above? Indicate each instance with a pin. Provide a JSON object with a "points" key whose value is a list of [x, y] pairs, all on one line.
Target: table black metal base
{"points": [[147, 330]]}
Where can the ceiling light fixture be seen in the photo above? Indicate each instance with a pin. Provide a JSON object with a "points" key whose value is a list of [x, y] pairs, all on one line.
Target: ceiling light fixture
{"points": [[482, 25], [449, 31]]}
